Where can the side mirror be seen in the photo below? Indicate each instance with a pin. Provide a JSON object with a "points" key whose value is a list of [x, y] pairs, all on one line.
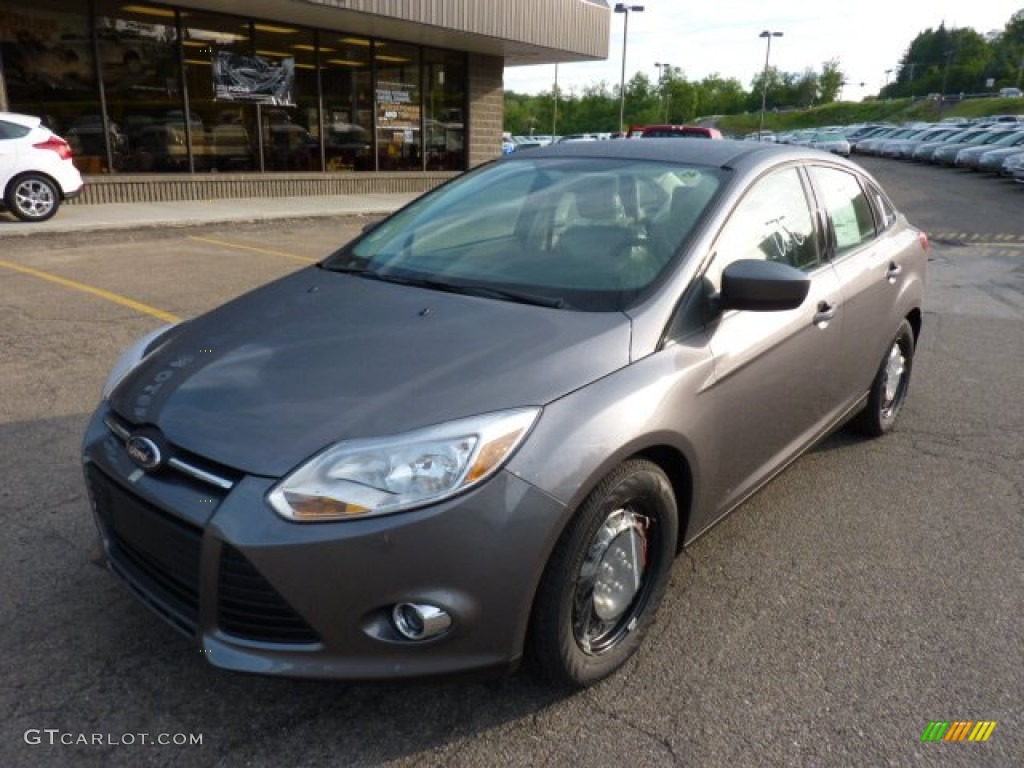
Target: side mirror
{"points": [[762, 286], [371, 226]]}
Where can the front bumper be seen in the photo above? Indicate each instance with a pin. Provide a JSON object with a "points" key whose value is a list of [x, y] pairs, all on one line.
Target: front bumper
{"points": [[261, 594]]}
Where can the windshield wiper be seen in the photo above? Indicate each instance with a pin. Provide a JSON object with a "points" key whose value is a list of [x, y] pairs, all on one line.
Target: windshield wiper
{"points": [[485, 291], [554, 302]]}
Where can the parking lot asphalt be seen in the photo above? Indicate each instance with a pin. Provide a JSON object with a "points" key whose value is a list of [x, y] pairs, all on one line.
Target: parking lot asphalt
{"points": [[71, 219]]}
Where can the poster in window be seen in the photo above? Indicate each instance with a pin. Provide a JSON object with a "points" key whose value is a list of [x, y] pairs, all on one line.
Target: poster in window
{"points": [[253, 79]]}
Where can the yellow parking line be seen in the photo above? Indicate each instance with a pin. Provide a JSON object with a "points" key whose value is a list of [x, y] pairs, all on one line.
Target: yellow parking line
{"points": [[240, 247], [124, 301]]}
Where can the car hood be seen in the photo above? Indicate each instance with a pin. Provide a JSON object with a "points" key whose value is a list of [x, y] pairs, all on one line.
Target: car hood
{"points": [[271, 378]]}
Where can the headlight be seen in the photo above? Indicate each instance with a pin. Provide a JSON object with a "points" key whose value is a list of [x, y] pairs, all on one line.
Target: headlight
{"points": [[131, 357], [362, 478]]}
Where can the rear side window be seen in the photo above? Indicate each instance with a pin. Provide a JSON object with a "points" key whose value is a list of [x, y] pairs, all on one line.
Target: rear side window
{"points": [[847, 207], [885, 210], [12, 130]]}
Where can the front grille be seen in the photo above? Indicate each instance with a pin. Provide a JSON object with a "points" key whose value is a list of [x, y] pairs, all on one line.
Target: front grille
{"points": [[155, 553], [195, 468], [250, 608]]}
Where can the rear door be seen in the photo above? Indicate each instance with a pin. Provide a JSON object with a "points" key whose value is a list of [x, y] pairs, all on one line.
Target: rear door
{"points": [[11, 144], [867, 249]]}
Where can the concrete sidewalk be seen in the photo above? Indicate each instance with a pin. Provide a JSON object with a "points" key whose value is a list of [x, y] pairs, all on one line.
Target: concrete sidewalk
{"points": [[72, 219]]}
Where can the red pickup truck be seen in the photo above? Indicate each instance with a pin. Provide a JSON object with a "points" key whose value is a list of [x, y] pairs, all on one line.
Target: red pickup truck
{"points": [[673, 131]]}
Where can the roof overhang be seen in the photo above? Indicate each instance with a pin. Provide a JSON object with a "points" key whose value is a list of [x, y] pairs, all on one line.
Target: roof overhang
{"points": [[519, 31]]}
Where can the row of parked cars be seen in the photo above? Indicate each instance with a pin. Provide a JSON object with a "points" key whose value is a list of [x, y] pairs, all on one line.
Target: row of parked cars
{"points": [[662, 131], [829, 139], [993, 145]]}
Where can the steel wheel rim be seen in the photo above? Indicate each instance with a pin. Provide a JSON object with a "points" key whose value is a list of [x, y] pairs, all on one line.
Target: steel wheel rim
{"points": [[34, 198], [894, 379], [613, 581]]}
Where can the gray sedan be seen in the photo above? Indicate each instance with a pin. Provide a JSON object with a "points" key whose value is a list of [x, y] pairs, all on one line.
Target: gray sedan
{"points": [[483, 430]]}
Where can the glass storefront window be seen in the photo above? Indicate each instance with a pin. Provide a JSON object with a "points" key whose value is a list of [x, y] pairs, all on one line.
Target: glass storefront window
{"points": [[445, 82], [191, 90], [141, 81], [348, 102], [50, 72], [223, 132], [291, 126], [398, 107]]}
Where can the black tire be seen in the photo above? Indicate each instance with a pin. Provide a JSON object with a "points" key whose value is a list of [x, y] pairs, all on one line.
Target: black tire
{"points": [[628, 520], [887, 396], [33, 197]]}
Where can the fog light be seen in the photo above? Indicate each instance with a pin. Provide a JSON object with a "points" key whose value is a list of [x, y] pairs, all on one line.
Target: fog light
{"points": [[419, 622]]}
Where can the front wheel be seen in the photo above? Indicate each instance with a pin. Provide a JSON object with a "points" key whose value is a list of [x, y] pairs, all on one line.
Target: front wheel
{"points": [[889, 389], [602, 586], [32, 197]]}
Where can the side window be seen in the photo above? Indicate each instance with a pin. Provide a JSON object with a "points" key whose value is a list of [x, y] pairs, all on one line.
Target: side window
{"points": [[12, 130], [884, 208], [773, 222], [847, 206]]}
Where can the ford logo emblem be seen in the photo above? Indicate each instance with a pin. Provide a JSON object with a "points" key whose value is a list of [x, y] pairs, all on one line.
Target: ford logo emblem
{"points": [[143, 451]]}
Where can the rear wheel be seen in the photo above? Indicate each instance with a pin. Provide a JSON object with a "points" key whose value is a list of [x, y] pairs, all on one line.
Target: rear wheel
{"points": [[32, 197], [602, 586], [889, 389]]}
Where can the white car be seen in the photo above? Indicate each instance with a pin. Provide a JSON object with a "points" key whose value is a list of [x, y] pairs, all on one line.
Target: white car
{"points": [[36, 172], [831, 141]]}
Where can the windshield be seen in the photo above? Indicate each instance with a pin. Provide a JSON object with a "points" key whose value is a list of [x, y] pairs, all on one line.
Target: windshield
{"points": [[577, 233]]}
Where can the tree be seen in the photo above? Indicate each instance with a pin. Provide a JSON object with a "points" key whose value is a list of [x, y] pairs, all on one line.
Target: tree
{"points": [[805, 89], [778, 90], [955, 60], [830, 81], [1008, 52], [720, 96]]}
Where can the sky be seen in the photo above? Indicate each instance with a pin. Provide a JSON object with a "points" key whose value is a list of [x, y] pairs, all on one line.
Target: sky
{"points": [[868, 37]]}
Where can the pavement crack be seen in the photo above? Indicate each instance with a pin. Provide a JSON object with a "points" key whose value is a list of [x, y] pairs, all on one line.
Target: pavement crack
{"points": [[662, 741]]}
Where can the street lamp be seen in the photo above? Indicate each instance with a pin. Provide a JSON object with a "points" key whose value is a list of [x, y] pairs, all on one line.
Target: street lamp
{"points": [[623, 8], [664, 70], [554, 113], [887, 73], [945, 74], [764, 80]]}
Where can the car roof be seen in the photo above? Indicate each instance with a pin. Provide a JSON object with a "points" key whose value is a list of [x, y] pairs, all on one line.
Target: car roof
{"points": [[726, 153]]}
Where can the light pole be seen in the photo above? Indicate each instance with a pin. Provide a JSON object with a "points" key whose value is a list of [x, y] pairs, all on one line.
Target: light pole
{"points": [[764, 79], [625, 9], [554, 114], [945, 74], [664, 70], [887, 73]]}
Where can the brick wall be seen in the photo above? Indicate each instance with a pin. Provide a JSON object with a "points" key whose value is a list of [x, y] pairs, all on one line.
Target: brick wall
{"points": [[138, 188], [486, 107]]}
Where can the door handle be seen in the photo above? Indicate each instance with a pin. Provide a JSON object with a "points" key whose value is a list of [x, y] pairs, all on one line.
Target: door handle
{"points": [[893, 270], [825, 313]]}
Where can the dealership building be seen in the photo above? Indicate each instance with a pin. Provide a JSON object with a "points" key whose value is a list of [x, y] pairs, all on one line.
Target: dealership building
{"points": [[239, 98]]}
